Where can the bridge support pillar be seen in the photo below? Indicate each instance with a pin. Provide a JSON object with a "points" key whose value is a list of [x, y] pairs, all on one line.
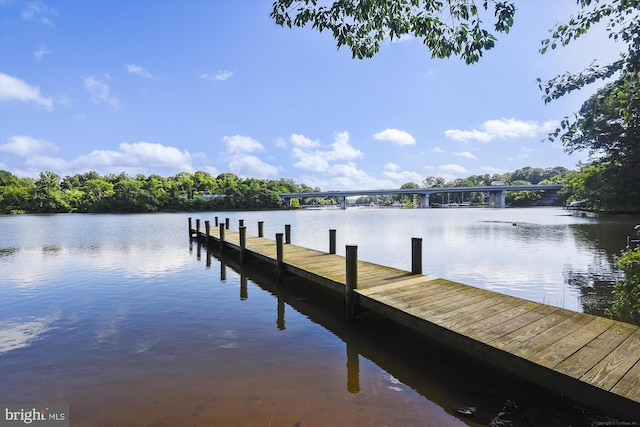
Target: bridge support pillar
{"points": [[287, 202], [497, 199], [424, 200], [343, 203]]}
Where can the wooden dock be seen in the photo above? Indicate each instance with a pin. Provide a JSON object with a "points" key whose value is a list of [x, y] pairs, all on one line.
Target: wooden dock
{"points": [[593, 360]]}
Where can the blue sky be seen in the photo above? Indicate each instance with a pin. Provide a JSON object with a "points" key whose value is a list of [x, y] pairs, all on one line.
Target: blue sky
{"points": [[170, 86]]}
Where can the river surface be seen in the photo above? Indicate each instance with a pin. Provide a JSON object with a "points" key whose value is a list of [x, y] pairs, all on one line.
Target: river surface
{"points": [[129, 323]]}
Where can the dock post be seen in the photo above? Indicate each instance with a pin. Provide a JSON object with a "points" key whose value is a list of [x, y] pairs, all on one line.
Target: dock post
{"points": [[287, 234], [240, 222], [279, 257], [226, 223], [216, 222], [244, 293], [416, 255], [207, 228], [351, 282], [243, 244], [260, 228], [198, 229], [332, 241], [221, 238], [190, 228]]}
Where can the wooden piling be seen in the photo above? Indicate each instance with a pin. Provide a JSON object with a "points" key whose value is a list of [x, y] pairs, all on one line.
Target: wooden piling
{"points": [[190, 228], [260, 228], [226, 223], [351, 282], [416, 255], [222, 238], [198, 229], [287, 234], [279, 257], [216, 222], [243, 244], [332, 241], [207, 229]]}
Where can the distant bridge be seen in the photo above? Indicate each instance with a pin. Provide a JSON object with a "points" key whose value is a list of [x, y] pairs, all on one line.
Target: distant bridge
{"points": [[496, 193]]}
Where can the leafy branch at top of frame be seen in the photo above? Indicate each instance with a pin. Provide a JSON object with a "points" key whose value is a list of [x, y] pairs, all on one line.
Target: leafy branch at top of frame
{"points": [[363, 24], [623, 24]]}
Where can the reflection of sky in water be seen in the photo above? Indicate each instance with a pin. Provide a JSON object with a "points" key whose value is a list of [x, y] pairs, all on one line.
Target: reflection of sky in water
{"points": [[121, 304], [17, 333]]}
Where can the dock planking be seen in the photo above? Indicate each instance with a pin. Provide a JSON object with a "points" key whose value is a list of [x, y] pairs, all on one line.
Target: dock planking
{"points": [[590, 359]]}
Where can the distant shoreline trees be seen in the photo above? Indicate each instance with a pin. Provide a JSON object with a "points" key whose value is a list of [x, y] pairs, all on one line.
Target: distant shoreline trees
{"points": [[92, 193]]}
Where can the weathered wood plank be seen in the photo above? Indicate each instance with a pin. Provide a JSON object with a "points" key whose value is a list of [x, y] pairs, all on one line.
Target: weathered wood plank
{"points": [[629, 384], [520, 307], [564, 348], [532, 329], [615, 364], [588, 356], [552, 336]]}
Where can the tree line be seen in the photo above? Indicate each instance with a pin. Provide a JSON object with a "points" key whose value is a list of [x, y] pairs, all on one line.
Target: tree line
{"points": [[91, 192]]}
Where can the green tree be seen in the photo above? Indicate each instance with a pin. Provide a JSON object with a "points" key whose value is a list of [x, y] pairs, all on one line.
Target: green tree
{"points": [[622, 18], [15, 193], [607, 125], [613, 140], [627, 292], [451, 28], [522, 198], [47, 194]]}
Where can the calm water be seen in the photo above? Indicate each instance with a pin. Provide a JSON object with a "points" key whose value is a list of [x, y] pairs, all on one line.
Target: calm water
{"points": [[129, 323]]}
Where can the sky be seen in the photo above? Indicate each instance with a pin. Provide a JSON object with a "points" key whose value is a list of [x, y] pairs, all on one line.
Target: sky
{"points": [[169, 86]]}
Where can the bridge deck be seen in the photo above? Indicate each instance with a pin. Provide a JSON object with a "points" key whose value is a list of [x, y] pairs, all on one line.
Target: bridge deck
{"points": [[591, 359]]}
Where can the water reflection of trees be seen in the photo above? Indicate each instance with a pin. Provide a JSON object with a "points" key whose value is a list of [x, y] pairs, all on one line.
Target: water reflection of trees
{"points": [[595, 285]]}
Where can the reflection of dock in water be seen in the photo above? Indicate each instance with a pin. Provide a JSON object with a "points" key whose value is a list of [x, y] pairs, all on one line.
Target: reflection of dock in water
{"points": [[590, 359]]}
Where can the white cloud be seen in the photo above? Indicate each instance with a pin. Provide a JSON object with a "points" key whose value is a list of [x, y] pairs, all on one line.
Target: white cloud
{"points": [[42, 163], [41, 52], [242, 161], [492, 170], [311, 159], [39, 12], [399, 177], [342, 149], [303, 142], [14, 89], [252, 166], [23, 145], [348, 175], [503, 129], [221, 76], [466, 155], [397, 136], [131, 158], [156, 155], [136, 69], [452, 168], [437, 150], [100, 92], [241, 144]]}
